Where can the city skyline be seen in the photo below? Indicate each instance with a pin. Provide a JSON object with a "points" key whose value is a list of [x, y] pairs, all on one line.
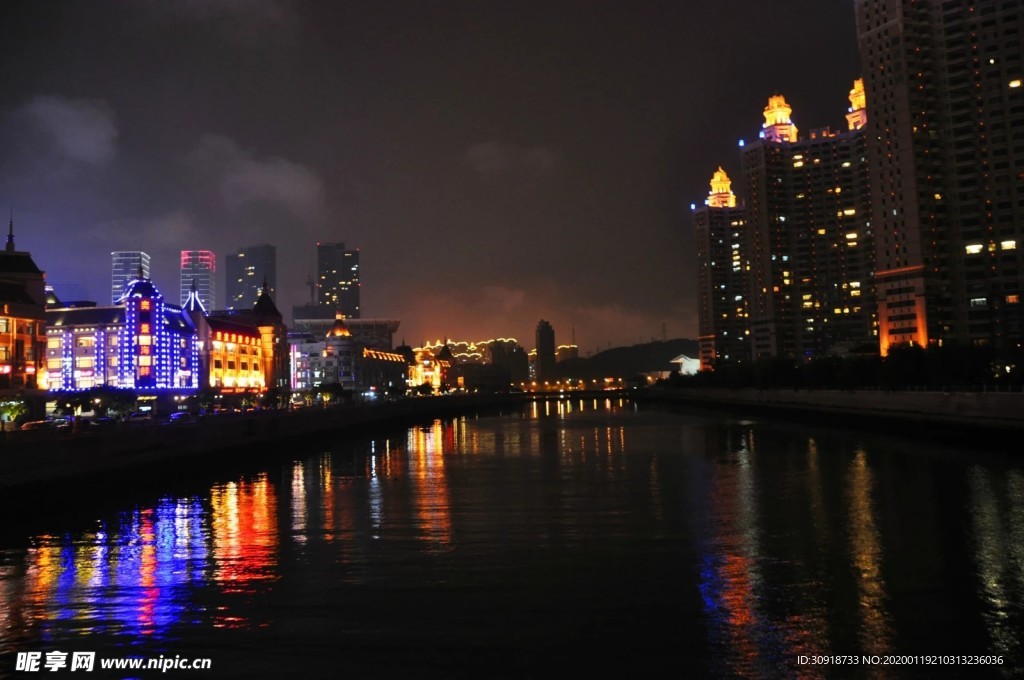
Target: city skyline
{"points": [[495, 165]]}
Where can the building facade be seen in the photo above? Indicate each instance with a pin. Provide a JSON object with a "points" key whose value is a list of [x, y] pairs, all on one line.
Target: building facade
{"points": [[249, 272], [337, 282], [199, 270], [143, 344], [125, 266], [22, 320], [807, 238], [722, 272], [545, 346], [338, 358], [945, 147], [243, 350]]}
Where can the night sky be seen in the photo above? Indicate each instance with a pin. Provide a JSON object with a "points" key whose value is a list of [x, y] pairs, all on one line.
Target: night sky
{"points": [[494, 162]]}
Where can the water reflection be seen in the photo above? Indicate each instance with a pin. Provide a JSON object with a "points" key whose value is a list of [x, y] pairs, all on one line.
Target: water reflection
{"points": [[773, 542], [874, 633], [999, 554]]}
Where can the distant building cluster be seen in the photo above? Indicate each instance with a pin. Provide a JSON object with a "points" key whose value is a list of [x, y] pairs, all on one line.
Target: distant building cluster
{"points": [[902, 229], [144, 342], [163, 348]]}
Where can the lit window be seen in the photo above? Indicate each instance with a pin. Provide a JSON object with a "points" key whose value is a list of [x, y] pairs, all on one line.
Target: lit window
{"points": [[1015, 83], [1013, 299], [973, 249], [1008, 245]]}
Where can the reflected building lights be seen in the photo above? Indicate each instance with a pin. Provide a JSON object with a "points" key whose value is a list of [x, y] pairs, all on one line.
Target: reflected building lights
{"points": [[430, 484], [995, 563], [865, 547]]}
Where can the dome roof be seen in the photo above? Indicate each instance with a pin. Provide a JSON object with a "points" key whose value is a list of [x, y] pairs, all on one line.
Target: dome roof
{"points": [[339, 329], [141, 288]]}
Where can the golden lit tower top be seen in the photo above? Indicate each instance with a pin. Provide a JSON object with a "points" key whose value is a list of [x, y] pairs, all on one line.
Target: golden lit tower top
{"points": [[777, 125], [721, 195], [858, 115]]}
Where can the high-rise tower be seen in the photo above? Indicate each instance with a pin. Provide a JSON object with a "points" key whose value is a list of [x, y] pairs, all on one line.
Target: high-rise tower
{"points": [[808, 236], [545, 339], [945, 147], [338, 278], [722, 269], [125, 267], [199, 268], [245, 274]]}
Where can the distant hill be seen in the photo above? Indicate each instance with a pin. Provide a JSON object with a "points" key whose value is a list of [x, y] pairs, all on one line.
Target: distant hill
{"points": [[628, 361]]}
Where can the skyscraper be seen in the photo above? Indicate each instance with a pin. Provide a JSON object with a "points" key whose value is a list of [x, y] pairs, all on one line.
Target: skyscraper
{"points": [[199, 268], [245, 273], [808, 236], [545, 339], [722, 270], [945, 147], [124, 268], [338, 278]]}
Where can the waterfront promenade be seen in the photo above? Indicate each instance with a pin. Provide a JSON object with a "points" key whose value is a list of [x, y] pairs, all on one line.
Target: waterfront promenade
{"points": [[966, 411]]}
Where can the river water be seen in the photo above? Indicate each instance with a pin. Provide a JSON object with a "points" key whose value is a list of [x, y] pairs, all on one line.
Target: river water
{"points": [[591, 537]]}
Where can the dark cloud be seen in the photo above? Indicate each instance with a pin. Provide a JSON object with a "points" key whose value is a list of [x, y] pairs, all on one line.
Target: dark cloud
{"points": [[242, 179]]}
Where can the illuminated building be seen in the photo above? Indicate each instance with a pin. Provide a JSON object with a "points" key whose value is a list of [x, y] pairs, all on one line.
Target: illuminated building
{"points": [[336, 363], [566, 352], [338, 279], [430, 368], [946, 85], [545, 338], [508, 358], [806, 237], [199, 269], [22, 319], [375, 333], [338, 358], [142, 344], [248, 273], [722, 268], [242, 350], [124, 267]]}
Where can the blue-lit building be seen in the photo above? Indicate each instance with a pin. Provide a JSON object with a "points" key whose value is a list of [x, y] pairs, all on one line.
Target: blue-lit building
{"points": [[142, 343]]}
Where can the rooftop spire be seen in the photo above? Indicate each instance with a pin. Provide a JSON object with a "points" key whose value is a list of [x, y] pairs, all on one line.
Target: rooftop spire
{"points": [[778, 127], [10, 234], [721, 195], [858, 116]]}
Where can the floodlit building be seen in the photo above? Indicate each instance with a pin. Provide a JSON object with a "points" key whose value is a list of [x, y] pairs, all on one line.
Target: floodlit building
{"points": [[22, 319], [338, 358], [243, 350], [142, 343]]}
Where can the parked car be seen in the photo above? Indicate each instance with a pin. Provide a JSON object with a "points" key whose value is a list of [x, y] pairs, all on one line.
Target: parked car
{"points": [[181, 417], [39, 425]]}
